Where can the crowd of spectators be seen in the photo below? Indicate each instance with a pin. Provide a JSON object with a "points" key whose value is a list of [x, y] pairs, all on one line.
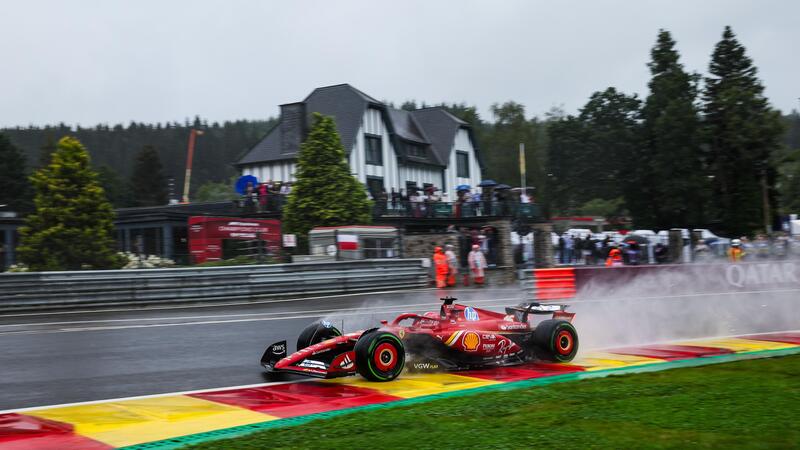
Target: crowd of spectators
{"points": [[635, 250], [429, 201], [266, 197]]}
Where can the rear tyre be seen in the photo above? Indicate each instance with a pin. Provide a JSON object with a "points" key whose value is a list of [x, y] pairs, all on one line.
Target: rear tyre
{"points": [[555, 340], [315, 333], [380, 356]]}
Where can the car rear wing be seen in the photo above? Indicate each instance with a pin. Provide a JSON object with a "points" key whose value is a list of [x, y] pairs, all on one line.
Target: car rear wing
{"points": [[522, 310]]}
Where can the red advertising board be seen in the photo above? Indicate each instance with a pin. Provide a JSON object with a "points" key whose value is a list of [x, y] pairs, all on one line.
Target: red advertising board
{"points": [[207, 233]]}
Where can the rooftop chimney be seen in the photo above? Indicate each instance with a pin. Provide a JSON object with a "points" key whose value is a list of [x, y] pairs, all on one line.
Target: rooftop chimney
{"points": [[293, 126]]}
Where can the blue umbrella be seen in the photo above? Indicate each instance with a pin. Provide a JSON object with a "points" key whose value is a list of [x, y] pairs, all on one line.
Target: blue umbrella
{"points": [[241, 183], [488, 183], [463, 187]]}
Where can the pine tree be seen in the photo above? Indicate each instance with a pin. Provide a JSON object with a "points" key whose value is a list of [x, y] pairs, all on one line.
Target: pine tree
{"points": [[72, 227], [117, 189], [742, 132], [148, 183], [14, 190], [325, 194], [670, 169]]}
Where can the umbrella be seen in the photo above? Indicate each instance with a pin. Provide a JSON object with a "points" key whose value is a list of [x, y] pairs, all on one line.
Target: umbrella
{"points": [[488, 183], [501, 187], [636, 238], [241, 183], [463, 187]]}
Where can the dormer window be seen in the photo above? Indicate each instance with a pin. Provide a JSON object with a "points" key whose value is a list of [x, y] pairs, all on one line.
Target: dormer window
{"points": [[374, 149], [415, 150]]}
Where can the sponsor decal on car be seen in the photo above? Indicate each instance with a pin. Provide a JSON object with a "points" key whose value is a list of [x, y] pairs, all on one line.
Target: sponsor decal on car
{"points": [[488, 347], [470, 314], [313, 364], [326, 324], [401, 333], [471, 341], [279, 349], [425, 366], [346, 363], [514, 326], [488, 336]]}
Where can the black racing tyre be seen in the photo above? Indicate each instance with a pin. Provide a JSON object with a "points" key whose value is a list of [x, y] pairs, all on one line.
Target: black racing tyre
{"points": [[555, 340], [315, 333], [380, 356]]}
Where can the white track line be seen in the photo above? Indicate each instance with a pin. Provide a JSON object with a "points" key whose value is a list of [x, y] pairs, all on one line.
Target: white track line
{"points": [[225, 304], [367, 310], [217, 322]]}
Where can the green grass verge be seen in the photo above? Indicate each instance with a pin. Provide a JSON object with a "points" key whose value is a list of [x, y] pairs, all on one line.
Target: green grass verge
{"points": [[749, 404]]}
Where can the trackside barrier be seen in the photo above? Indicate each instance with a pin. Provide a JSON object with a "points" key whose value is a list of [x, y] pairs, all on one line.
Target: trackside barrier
{"points": [[550, 284], [569, 282], [62, 289]]}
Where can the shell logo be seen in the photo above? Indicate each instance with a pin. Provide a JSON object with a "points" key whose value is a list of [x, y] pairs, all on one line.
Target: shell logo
{"points": [[471, 341]]}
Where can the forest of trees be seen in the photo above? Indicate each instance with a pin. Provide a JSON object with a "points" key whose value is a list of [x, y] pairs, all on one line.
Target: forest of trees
{"points": [[117, 151], [692, 151]]}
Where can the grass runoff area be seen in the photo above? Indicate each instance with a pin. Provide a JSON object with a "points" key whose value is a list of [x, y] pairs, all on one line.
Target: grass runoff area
{"points": [[749, 404]]}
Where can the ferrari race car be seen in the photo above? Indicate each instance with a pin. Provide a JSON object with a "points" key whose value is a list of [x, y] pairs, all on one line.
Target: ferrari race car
{"points": [[457, 337]]}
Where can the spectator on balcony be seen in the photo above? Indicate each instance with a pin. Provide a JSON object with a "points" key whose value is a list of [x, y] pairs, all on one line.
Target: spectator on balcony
{"points": [[414, 202], [394, 197], [382, 200], [262, 196]]}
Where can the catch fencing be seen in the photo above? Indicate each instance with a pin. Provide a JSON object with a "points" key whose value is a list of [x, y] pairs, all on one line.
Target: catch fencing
{"points": [[106, 287]]}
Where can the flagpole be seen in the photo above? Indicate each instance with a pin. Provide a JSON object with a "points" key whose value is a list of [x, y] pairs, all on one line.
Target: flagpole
{"points": [[522, 166]]}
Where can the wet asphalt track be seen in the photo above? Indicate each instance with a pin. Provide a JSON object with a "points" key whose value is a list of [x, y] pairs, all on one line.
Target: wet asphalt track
{"points": [[101, 353]]}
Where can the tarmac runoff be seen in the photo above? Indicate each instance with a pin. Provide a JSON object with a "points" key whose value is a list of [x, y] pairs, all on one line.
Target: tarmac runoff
{"points": [[173, 420]]}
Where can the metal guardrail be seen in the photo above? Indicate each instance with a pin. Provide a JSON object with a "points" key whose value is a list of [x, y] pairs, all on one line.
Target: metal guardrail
{"points": [[105, 287]]}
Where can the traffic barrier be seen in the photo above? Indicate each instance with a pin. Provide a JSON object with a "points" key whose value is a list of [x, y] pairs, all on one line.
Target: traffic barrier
{"points": [[569, 282], [99, 287], [551, 284]]}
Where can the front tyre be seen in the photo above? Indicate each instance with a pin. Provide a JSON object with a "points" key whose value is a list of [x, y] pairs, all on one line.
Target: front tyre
{"points": [[555, 340], [380, 356], [314, 333]]}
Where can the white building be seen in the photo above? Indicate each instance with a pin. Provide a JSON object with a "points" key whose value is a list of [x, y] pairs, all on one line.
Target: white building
{"points": [[387, 148]]}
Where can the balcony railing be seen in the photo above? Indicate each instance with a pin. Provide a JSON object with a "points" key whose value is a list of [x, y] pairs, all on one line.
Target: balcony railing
{"points": [[456, 210], [421, 210]]}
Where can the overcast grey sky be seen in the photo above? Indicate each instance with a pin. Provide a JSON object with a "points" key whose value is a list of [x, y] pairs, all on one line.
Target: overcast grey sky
{"points": [[106, 61]]}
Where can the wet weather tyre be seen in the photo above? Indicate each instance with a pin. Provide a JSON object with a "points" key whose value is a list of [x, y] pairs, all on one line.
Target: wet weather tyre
{"points": [[555, 340], [315, 333], [380, 356]]}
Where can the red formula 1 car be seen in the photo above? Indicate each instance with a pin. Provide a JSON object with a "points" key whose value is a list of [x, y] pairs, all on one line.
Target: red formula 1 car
{"points": [[457, 337]]}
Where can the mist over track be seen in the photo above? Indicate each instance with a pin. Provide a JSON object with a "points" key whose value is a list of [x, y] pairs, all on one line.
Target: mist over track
{"points": [[93, 354]]}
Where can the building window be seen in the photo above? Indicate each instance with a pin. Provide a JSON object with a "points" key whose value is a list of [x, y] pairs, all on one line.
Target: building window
{"points": [[462, 164], [375, 186], [415, 150], [374, 149]]}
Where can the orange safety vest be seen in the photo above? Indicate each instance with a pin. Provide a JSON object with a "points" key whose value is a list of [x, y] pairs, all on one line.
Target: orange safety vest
{"points": [[614, 257], [735, 254]]}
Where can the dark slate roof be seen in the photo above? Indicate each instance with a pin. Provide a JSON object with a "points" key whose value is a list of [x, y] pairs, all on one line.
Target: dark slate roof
{"points": [[346, 104], [433, 128], [440, 127], [268, 149], [405, 126]]}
